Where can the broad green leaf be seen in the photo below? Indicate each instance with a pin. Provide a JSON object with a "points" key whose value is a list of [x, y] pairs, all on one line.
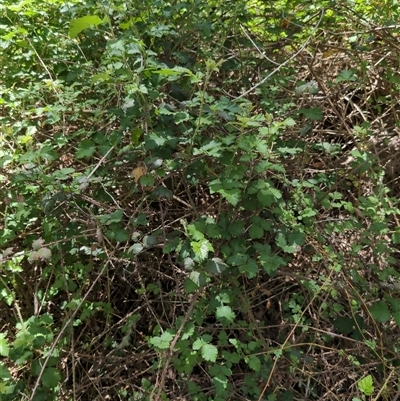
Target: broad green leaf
{"points": [[366, 385], [225, 313], [163, 341], [188, 331], [297, 237], [216, 266], [396, 237], [380, 312], [201, 249], [282, 243], [347, 75], [198, 344], [136, 134], [4, 348], [21, 5], [114, 217], [271, 263], [63, 173], [150, 240], [147, 180], [209, 352], [194, 233], [196, 279], [4, 372], [190, 286], [48, 153], [86, 148], [254, 363], [220, 382], [80, 24], [181, 117], [256, 231], [223, 297], [309, 87], [232, 195], [290, 151], [188, 263], [51, 377], [135, 249], [102, 77], [121, 235], [396, 317], [314, 113], [250, 268], [265, 197], [236, 228], [171, 245]]}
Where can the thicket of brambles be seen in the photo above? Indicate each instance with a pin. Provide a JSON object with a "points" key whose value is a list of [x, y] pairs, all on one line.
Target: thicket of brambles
{"points": [[199, 200]]}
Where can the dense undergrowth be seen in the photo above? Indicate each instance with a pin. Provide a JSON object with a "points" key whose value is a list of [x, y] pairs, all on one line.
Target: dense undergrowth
{"points": [[199, 201]]}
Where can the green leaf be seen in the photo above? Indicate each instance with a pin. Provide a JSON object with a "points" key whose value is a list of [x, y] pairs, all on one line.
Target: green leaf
{"points": [[63, 173], [209, 352], [314, 113], [163, 341], [256, 231], [236, 228], [308, 87], [396, 237], [271, 263], [254, 363], [232, 195], [201, 249], [347, 75], [181, 117], [114, 217], [188, 263], [190, 286], [121, 235], [366, 385], [188, 331], [396, 317], [171, 245], [220, 382], [216, 266], [194, 233], [86, 148], [265, 197], [135, 249], [48, 153], [198, 277], [80, 24], [250, 268], [282, 243], [380, 312], [198, 344], [4, 373], [51, 377], [149, 241], [225, 313], [4, 348]]}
